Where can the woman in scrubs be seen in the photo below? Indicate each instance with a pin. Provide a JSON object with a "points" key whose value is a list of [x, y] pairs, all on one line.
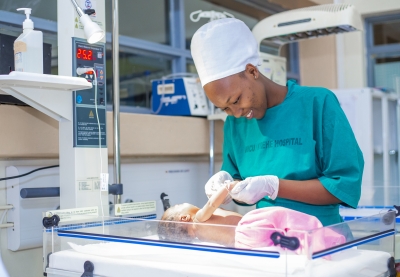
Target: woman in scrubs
{"points": [[290, 146]]}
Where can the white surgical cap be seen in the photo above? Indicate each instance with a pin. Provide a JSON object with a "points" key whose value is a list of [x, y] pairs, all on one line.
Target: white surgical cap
{"points": [[222, 48]]}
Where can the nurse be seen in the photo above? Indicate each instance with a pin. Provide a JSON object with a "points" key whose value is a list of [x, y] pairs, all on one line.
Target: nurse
{"points": [[291, 146]]}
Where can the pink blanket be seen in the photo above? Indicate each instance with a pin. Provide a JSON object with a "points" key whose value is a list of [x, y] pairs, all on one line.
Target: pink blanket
{"points": [[255, 228]]}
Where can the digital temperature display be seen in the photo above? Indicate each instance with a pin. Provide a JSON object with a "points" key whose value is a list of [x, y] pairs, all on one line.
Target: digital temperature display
{"points": [[84, 54]]}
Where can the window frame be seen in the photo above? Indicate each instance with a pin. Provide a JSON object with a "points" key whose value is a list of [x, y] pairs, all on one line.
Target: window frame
{"points": [[294, 63], [378, 51]]}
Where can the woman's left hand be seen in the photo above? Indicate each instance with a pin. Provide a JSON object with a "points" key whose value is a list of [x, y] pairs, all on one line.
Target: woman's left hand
{"points": [[216, 182], [253, 189]]}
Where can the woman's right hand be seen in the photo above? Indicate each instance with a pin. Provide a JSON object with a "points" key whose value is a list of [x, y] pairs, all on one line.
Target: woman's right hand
{"points": [[253, 189], [216, 182]]}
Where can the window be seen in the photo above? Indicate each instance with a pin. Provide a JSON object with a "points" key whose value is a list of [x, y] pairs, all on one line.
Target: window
{"points": [[142, 19], [45, 9], [383, 51], [195, 5], [136, 72], [154, 39]]}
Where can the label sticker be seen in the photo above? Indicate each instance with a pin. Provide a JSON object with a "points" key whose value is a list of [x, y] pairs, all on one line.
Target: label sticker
{"points": [[104, 181], [96, 184], [166, 89], [75, 214], [135, 208], [20, 46], [85, 185]]}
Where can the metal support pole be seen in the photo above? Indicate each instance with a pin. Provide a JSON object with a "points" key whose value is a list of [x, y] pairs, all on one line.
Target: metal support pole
{"points": [[115, 59], [211, 125], [398, 128], [385, 147]]}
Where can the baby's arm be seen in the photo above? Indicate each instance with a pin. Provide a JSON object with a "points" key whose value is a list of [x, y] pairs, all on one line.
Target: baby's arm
{"points": [[213, 203]]}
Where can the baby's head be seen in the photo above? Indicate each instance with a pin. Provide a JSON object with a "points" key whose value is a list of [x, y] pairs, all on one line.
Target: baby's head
{"points": [[175, 224]]}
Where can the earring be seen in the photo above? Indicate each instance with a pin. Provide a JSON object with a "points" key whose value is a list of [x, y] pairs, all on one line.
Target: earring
{"points": [[255, 77]]}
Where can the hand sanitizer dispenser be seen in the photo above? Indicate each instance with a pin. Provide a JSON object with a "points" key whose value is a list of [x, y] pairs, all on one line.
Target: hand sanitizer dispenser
{"points": [[28, 47]]}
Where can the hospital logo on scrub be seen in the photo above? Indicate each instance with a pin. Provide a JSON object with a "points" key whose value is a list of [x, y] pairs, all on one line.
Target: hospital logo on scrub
{"points": [[272, 143], [91, 114]]}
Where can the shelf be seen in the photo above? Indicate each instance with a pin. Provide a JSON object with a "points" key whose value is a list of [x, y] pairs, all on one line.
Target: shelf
{"points": [[50, 94], [43, 81]]}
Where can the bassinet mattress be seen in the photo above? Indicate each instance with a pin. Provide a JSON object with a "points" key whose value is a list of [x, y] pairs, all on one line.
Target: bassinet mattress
{"points": [[122, 259]]}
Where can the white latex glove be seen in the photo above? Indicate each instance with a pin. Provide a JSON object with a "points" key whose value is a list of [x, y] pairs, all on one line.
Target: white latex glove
{"points": [[252, 189], [216, 182]]}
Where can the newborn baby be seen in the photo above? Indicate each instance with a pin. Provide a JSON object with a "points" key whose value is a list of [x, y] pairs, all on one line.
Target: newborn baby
{"points": [[253, 230]]}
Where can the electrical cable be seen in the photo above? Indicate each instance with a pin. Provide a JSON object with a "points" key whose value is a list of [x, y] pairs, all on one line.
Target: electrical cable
{"points": [[30, 172], [80, 71], [101, 159]]}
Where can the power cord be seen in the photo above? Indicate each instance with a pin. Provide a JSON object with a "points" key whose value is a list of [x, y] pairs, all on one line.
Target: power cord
{"points": [[30, 172], [81, 71]]}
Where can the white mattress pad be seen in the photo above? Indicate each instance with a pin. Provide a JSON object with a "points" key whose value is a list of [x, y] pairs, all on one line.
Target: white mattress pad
{"points": [[122, 259]]}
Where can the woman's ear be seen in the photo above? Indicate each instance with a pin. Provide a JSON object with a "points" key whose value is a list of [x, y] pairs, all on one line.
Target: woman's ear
{"points": [[252, 70], [185, 217]]}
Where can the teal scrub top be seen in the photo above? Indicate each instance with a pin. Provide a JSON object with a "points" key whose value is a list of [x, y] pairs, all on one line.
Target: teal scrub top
{"points": [[305, 137]]}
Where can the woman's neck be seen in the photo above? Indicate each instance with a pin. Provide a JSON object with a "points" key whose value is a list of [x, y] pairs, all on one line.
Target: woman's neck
{"points": [[275, 93]]}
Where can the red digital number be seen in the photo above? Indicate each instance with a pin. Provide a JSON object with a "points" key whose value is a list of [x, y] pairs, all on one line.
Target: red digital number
{"points": [[84, 54]]}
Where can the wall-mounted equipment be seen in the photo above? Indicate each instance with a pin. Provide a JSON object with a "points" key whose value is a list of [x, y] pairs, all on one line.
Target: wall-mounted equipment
{"points": [[305, 23]]}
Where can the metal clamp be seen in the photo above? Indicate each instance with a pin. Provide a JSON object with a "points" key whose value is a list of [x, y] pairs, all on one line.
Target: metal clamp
{"points": [[89, 11], [388, 218], [291, 243], [88, 268], [397, 210], [392, 267], [52, 221], [165, 202], [116, 189]]}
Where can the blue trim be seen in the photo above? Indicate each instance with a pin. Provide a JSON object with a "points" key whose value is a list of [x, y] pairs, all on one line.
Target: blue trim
{"points": [[187, 246], [349, 218], [109, 222], [342, 247], [368, 207]]}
